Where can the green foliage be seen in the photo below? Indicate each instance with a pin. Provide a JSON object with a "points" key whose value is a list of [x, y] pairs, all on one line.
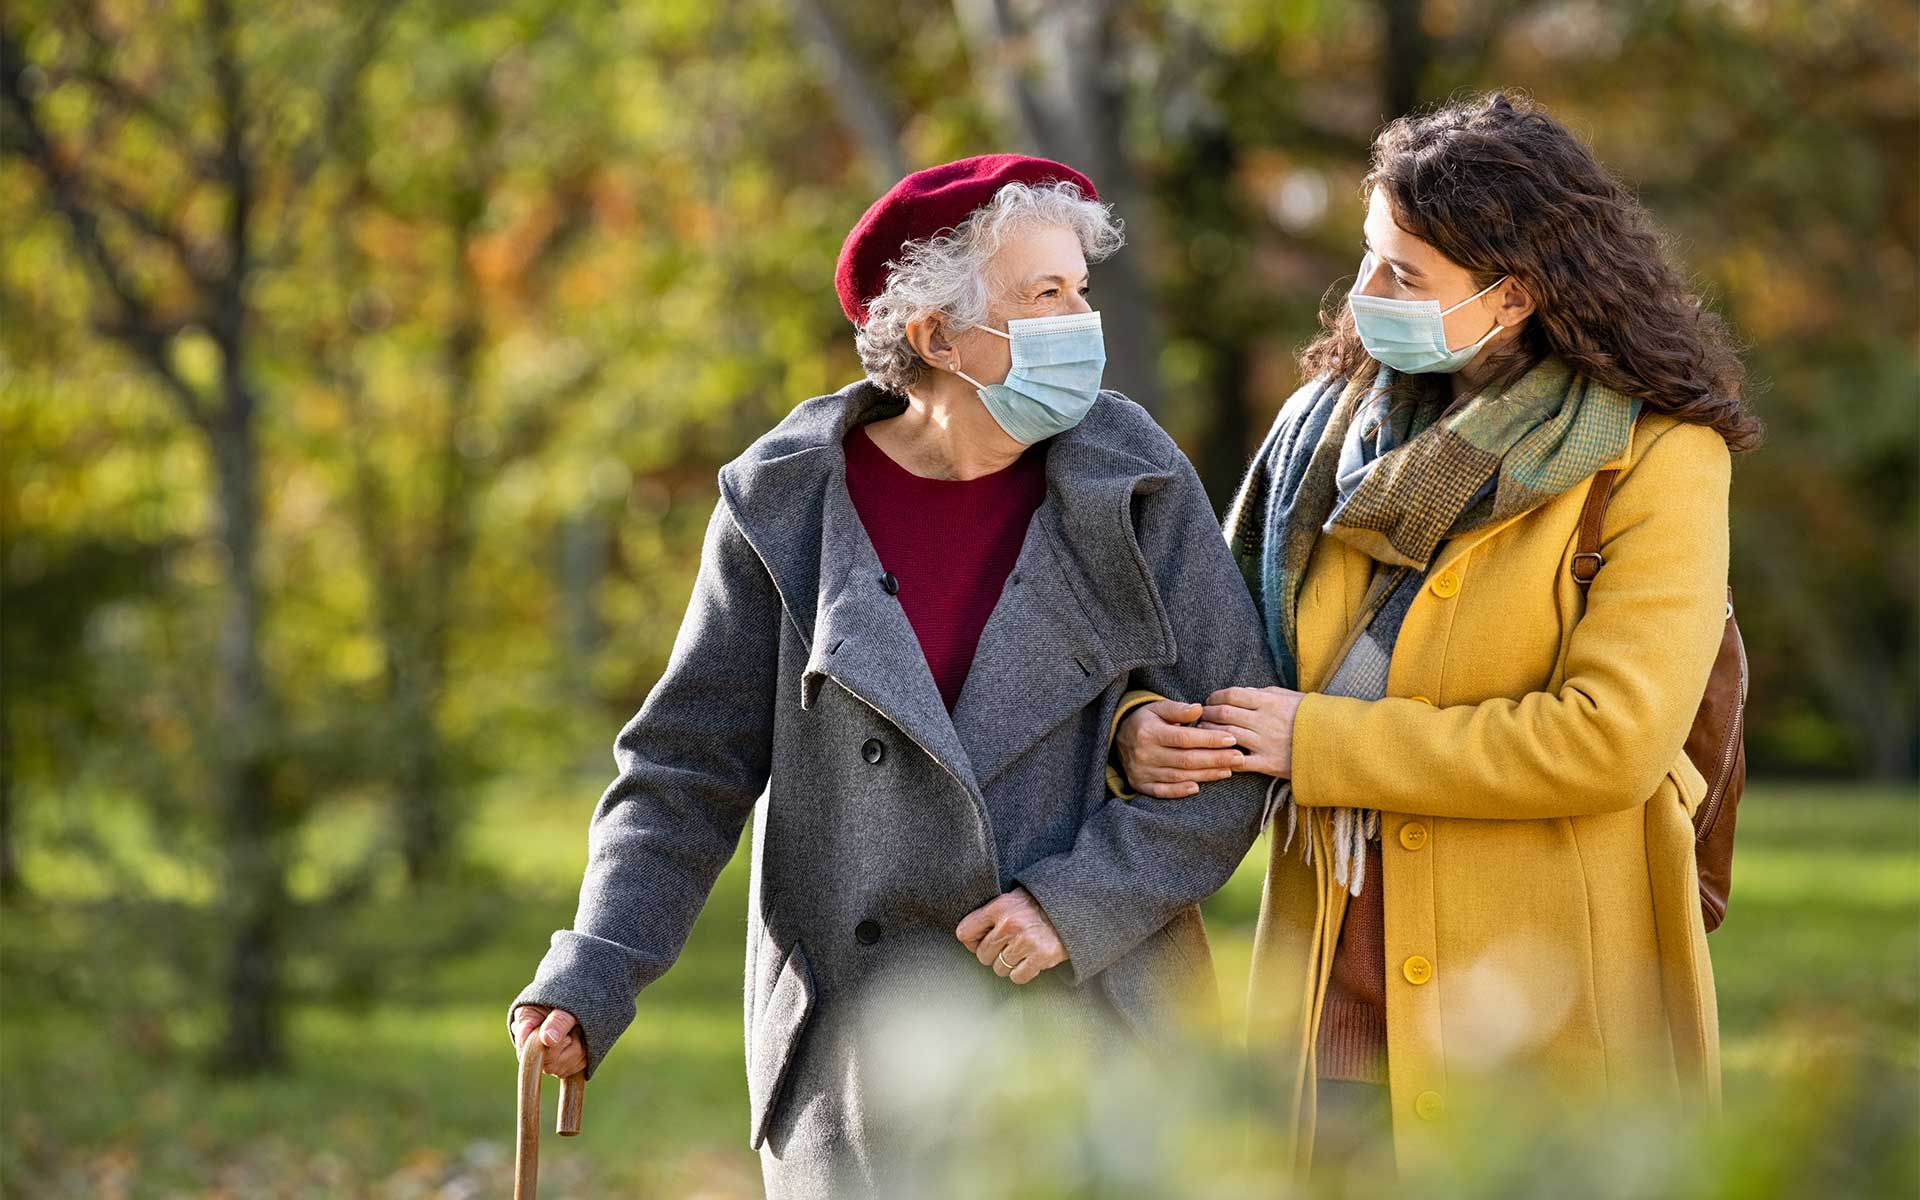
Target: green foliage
{"points": [[555, 263], [521, 274], [409, 1091]]}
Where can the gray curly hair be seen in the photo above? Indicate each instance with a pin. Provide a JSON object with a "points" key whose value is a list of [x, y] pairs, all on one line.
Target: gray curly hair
{"points": [[947, 273]]}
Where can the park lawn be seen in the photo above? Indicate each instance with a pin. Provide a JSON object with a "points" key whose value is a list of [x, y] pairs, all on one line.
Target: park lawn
{"points": [[402, 1081]]}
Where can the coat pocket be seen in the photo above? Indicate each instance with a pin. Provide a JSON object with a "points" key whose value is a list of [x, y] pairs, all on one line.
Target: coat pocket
{"points": [[1689, 782], [776, 1033]]}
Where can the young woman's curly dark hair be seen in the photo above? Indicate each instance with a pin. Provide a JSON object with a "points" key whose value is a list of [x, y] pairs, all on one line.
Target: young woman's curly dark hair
{"points": [[1501, 188]]}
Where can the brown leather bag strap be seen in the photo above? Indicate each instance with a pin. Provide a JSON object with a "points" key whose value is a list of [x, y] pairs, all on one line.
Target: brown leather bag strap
{"points": [[1587, 558]]}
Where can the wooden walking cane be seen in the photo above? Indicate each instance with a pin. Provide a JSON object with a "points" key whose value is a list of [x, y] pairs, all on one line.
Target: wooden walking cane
{"points": [[573, 1094]]}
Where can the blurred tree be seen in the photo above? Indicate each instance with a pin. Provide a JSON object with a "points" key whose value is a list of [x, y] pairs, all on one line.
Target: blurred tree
{"points": [[51, 592], [1056, 74], [1234, 135], [450, 311], [412, 482], [167, 192]]}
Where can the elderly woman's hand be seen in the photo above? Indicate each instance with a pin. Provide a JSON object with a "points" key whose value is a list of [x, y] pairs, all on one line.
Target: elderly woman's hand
{"points": [[1261, 720], [1011, 934], [566, 1052], [1163, 756]]}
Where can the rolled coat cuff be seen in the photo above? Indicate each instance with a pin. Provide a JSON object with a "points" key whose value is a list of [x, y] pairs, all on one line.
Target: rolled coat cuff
{"points": [[1085, 932], [593, 979]]}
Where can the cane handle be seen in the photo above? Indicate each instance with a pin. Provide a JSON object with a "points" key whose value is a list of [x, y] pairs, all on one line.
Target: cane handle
{"points": [[573, 1095]]}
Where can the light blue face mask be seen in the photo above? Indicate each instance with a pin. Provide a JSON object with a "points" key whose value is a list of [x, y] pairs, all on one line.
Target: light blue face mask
{"points": [[1411, 335], [1054, 378]]}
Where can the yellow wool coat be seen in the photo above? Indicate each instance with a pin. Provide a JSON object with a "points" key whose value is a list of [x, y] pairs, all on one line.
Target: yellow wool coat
{"points": [[1541, 903]]}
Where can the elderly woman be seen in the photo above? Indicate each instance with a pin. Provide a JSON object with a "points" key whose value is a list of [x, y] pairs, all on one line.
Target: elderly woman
{"points": [[1485, 893], [919, 602]]}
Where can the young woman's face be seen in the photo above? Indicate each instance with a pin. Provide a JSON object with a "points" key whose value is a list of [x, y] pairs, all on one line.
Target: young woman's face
{"points": [[1407, 268]]}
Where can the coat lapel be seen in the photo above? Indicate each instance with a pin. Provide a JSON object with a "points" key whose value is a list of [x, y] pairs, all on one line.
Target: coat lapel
{"points": [[788, 493], [862, 638], [1078, 607]]}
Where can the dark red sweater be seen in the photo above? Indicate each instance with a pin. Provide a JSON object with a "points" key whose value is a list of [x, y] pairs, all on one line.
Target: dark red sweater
{"points": [[1353, 1026], [949, 542]]}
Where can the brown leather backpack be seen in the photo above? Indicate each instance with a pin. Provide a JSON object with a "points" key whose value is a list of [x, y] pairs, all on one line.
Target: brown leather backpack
{"points": [[1715, 744]]}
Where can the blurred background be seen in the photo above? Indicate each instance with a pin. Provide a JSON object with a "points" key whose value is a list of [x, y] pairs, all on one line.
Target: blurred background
{"points": [[364, 372]]}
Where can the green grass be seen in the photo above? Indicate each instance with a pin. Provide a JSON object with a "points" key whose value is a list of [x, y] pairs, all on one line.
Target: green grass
{"points": [[408, 1090]]}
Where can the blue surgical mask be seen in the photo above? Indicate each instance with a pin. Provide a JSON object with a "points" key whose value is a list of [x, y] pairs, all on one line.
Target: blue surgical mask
{"points": [[1411, 335], [1054, 378]]}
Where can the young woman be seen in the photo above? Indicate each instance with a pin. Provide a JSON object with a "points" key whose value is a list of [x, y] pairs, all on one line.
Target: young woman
{"points": [[1482, 869]]}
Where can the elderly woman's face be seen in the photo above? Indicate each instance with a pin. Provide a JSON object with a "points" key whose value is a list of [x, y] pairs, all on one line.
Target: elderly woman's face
{"points": [[1041, 273]]}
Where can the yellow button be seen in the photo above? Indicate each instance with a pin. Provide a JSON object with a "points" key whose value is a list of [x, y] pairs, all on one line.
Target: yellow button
{"points": [[1417, 970], [1428, 1106], [1419, 699], [1445, 584], [1413, 835]]}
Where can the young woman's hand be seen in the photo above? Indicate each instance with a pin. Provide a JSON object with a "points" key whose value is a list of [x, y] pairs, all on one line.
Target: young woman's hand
{"points": [[1261, 719], [566, 1053], [1162, 756]]}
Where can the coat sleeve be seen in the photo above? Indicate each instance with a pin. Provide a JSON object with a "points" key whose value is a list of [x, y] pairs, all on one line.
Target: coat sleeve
{"points": [[691, 763], [1137, 862], [1637, 665], [1248, 500]]}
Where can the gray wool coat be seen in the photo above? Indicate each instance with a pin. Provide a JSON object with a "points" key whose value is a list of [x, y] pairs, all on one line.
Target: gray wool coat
{"points": [[797, 693]]}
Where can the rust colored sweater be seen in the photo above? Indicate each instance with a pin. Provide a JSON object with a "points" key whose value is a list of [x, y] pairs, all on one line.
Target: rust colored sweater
{"points": [[1352, 1043]]}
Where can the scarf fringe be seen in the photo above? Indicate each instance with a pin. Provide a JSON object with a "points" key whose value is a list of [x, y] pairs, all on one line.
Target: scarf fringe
{"points": [[1353, 828]]}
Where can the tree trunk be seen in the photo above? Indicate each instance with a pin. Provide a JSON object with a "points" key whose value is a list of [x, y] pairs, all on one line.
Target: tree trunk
{"points": [[866, 108], [252, 825], [1223, 453], [1404, 57], [9, 870], [424, 817], [425, 821], [1065, 99]]}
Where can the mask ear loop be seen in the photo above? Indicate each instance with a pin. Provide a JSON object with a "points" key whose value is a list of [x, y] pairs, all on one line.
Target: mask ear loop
{"points": [[1484, 338], [1497, 326], [970, 379], [1483, 291]]}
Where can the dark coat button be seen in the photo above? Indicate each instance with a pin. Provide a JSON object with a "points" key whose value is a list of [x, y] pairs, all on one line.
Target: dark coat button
{"points": [[892, 585], [871, 750], [868, 932]]}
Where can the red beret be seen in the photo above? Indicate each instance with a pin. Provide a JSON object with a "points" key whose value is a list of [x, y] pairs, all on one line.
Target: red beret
{"points": [[922, 205]]}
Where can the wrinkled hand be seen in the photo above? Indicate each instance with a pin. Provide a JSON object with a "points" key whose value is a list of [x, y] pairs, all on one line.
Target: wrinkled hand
{"points": [[566, 1052], [1014, 923], [1261, 720], [1162, 756]]}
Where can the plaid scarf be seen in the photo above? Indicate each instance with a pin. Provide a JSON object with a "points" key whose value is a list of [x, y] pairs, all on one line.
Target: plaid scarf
{"points": [[1397, 484]]}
